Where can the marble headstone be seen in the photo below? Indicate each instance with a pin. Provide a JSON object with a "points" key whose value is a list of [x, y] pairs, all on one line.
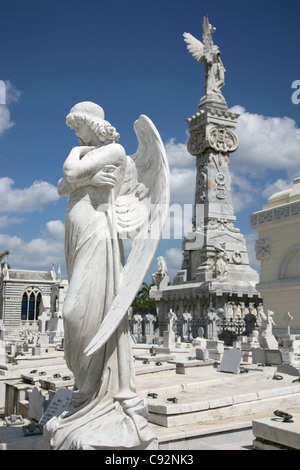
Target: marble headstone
{"points": [[231, 361], [57, 405]]}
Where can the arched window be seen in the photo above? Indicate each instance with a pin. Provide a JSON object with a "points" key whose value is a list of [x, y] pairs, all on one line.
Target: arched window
{"points": [[31, 304], [289, 266]]}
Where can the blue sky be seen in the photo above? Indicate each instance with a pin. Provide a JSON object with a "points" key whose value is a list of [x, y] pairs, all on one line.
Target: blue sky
{"points": [[130, 58]]}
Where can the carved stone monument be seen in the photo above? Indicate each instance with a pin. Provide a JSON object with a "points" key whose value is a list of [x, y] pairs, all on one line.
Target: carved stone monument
{"points": [[161, 278], [266, 337], [289, 344], [215, 259], [111, 196]]}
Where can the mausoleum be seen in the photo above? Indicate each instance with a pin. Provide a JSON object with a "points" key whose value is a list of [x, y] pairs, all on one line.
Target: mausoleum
{"points": [[278, 249], [24, 295]]}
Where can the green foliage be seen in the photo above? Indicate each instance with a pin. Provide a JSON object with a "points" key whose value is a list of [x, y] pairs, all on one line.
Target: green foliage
{"points": [[142, 298]]}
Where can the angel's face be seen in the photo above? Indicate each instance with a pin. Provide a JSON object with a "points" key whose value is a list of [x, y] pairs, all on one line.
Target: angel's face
{"points": [[85, 134]]}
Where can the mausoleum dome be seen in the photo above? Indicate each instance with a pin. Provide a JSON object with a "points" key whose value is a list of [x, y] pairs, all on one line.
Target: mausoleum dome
{"points": [[286, 196]]}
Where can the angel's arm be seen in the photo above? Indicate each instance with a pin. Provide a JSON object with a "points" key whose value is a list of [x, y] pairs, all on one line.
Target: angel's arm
{"points": [[84, 162], [105, 177], [65, 188], [151, 166]]}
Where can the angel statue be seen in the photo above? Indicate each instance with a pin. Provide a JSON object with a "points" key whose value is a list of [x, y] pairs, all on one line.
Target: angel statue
{"points": [[208, 54], [111, 196], [161, 273]]}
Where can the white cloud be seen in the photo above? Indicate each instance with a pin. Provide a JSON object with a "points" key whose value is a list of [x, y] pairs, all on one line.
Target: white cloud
{"points": [[242, 192], [182, 172], [38, 253], [26, 200], [178, 156], [173, 259], [5, 121], [250, 242], [266, 144], [6, 221], [11, 95], [276, 187]]}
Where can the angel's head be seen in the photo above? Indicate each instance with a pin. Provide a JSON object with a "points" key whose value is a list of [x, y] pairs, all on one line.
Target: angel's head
{"points": [[216, 52], [87, 119]]}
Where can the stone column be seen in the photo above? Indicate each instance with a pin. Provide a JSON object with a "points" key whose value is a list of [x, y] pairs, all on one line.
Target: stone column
{"points": [[212, 139]]}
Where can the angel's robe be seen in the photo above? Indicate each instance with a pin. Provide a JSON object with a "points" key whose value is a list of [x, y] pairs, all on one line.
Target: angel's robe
{"points": [[95, 419]]}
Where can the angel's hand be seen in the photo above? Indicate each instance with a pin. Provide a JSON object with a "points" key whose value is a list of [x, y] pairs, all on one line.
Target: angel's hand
{"points": [[105, 177]]}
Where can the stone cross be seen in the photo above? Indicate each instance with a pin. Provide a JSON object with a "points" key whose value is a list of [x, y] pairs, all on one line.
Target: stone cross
{"points": [[288, 318]]}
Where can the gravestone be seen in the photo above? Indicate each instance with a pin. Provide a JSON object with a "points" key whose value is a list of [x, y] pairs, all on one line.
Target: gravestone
{"points": [[258, 356], [270, 357], [202, 354], [273, 357], [288, 369], [36, 404], [57, 405], [231, 361]]}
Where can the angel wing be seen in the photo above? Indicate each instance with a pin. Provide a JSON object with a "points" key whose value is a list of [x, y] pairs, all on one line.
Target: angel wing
{"points": [[141, 211], [195, 47], [208, 31]]}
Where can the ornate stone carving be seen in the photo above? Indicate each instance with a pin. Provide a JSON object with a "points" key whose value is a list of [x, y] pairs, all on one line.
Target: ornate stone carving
{"points": [[217, 137], [263, 248], [287, 257], [221, 224], [220, 189], [220, 263], [277, 214], [201, 187], [237, 257], [197, 141], [221, 139], [279, 284]]}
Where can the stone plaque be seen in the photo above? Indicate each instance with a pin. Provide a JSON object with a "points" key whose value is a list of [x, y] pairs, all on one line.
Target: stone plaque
{"points": [[231, 361], [57, 405]]}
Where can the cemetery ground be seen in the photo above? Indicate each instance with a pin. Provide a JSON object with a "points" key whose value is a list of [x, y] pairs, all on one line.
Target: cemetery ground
{"points": [[211, 404]]}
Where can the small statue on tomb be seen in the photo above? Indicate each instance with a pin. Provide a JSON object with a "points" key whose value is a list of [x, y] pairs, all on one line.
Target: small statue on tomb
{"points": [[161, 274], [220, 263], [212, 318], [266, 338]]}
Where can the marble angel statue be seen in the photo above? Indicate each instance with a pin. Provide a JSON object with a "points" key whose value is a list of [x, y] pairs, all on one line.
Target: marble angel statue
{"points": [[208, 54], [266, 337], [112, 196], [161, 273]]}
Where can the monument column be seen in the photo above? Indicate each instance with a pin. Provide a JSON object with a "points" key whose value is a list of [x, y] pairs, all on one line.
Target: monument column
{"points": [[212, 139], [215, 264], [215, 251]]}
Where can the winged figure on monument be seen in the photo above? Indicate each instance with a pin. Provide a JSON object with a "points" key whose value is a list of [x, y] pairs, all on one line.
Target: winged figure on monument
{"points": [[208, 54], [112, 196]]}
